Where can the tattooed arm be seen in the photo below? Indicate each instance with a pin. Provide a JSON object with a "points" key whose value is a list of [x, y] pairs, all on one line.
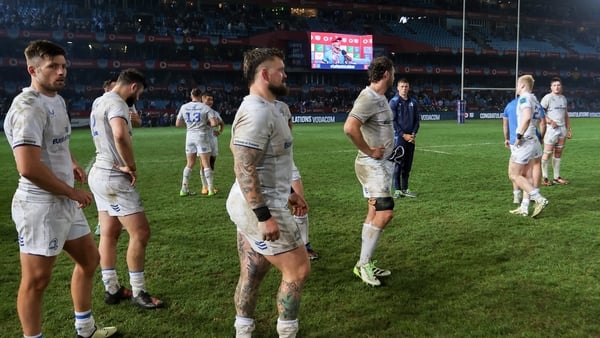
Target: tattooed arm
{"points": [[245, 160]]}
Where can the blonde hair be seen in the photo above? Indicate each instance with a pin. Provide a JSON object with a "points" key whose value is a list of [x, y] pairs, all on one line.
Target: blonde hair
{"points": [[527, 80]]}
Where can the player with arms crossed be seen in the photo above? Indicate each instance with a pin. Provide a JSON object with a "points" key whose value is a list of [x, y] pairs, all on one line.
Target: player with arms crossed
{"points": [[557, 131], [527, 146], [369, 127], [46, 208], [261, 143]]}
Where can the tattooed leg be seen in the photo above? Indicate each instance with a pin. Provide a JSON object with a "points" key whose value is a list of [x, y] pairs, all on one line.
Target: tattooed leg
{"points": [[253, 268], [288, 299]]}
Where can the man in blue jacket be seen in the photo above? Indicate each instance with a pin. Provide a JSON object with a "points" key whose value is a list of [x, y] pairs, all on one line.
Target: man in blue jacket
{"points": [[406, 126]]}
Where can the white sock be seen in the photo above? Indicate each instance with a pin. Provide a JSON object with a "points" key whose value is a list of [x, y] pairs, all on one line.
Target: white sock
{"points": [[84, 323], [203, 179], [556, 167], [370, 236], [110, 280], [208, 173], [302, 222], [186, 178], [138, 282], [287, 328], [243, 322], [525, 205], [39, 335], [544, 168]]}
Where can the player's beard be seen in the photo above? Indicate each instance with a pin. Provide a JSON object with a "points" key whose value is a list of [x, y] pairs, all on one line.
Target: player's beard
{"points": [[130, 100], [281, 90]]}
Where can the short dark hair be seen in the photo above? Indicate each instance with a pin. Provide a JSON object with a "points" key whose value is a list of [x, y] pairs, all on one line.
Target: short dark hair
{"points": [[132, 75], [206, 94], [555, 79], [195, 92], [402, 80], [107, 83], [378, 67], [42, 49], [254, 57]]}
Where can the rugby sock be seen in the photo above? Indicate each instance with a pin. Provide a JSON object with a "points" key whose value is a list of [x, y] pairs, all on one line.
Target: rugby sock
{"points": [[186, 178], [544, 168], [370, 236], [203, 179], [287, 328], [138, 282], [84, 323], [110, 280], [556, 167], [534, 194], [525, 205], [302, 222], [34, 336], [208, 173], [241, 322]]}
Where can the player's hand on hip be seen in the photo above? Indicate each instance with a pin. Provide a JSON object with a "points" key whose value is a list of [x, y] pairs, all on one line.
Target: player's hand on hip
{"points": [[377, 153], [130, 171]]}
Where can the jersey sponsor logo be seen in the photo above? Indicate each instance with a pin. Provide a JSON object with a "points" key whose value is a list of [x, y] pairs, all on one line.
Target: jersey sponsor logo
{"points": [[522, 100], [61, 139], [115, 207]]}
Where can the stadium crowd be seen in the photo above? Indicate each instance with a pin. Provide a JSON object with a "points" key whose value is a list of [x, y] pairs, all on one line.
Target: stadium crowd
{"points": [[309, 94]]}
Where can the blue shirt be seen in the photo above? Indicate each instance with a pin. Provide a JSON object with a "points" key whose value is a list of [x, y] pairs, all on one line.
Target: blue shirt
{"points": [[406, 115]]}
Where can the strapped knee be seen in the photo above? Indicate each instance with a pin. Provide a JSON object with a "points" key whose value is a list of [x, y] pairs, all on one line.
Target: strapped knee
{"points": [[382, 203]]}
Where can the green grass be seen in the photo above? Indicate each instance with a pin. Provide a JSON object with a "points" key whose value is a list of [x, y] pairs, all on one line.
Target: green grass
{"points": [[462, 265]]}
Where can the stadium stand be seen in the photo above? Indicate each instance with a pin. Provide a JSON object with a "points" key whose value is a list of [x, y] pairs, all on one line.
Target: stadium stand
{"points": [[186, 44]]}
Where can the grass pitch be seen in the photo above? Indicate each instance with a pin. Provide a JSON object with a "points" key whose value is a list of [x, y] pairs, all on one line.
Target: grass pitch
{"points": [[462, 266]]}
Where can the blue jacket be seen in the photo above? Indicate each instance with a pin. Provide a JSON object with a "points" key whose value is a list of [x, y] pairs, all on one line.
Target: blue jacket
{"points": [[406, 115]]}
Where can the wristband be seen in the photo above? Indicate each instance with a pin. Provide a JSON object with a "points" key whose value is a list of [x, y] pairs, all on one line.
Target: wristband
{"points": [[519, 136], [262, 213]]}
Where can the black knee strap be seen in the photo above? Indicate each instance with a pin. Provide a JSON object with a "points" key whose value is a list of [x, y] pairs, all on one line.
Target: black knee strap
{"points": [[384, 203]]}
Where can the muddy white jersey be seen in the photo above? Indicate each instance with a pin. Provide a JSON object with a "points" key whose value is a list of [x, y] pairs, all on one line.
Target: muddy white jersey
{"points": [[34, 119]]}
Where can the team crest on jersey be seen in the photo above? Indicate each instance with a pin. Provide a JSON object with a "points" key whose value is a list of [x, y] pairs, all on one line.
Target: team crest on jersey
{"points": [[522, 100], [53, 245]]}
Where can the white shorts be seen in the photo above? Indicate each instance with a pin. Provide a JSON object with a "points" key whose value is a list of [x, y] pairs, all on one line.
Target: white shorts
{"points": [[113, 193], [43, 227], [247, 224], [214, 146], [375, 176], [552, 135], [526, 151], [198, 144]]}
